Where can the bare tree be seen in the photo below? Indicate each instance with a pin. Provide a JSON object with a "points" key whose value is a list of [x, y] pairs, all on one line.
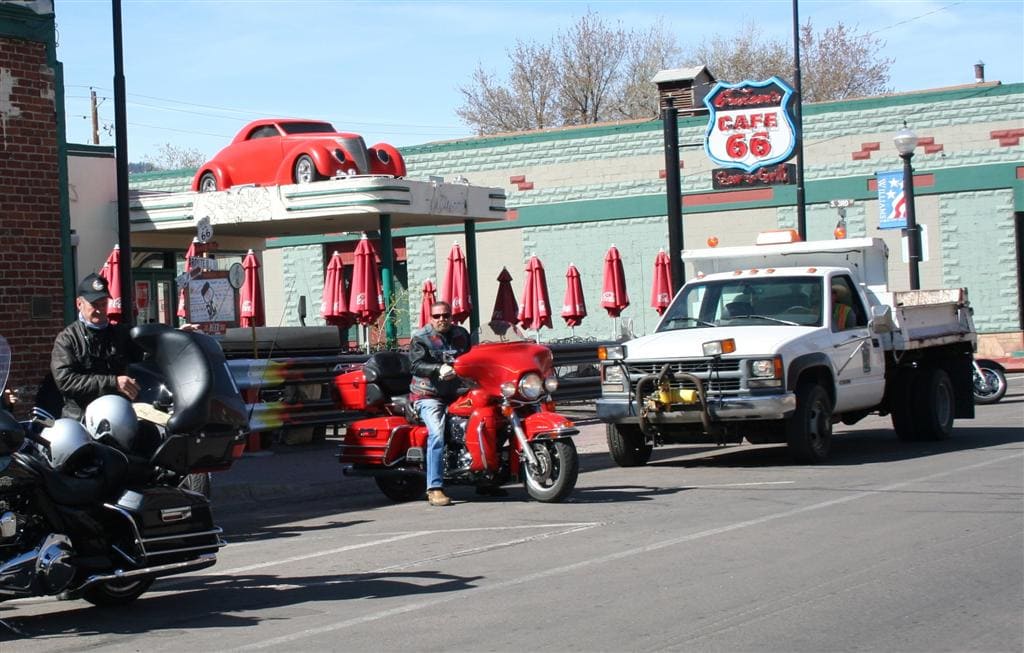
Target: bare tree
{"points": [[841, 64], [591, 72], [529, 101], [174, 157], [591, 57], [835, 64]]}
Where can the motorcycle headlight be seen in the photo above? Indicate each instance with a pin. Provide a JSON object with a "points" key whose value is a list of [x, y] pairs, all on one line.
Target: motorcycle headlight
{"points": [[530, 386], [508, 389], [551, 383]]}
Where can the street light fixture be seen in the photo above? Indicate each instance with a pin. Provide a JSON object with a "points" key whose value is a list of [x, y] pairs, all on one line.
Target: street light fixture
{"points": [[905, 141]]}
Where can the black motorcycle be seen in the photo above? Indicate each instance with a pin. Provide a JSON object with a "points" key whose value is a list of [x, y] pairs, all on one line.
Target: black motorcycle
{"points": [[989, 381], [80, 519]]}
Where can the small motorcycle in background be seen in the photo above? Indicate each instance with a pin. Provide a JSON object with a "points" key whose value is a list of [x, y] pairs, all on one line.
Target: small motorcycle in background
{"points": [[989, 381]]}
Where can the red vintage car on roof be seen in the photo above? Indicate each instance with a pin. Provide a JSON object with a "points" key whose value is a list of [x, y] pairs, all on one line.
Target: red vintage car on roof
{"points": [[278, 151]]}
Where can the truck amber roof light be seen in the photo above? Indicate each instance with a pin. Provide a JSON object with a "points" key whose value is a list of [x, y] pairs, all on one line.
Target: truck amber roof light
{"points": [[719, 347], [769, 270], [754, 271], [812, 270], [712, 241], [778, 237]]}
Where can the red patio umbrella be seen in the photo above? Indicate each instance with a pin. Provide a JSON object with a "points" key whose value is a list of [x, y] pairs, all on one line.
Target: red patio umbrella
{"points": [[366, 300], [334, 306], [613, 292], [661, 289], [195, 248], [535, 311], [506, 309], [250, 295], [455, 289], [111, 271], [574, 307], [429, 297]]}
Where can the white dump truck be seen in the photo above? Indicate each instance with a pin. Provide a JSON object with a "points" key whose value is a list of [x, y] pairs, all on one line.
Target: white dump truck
{"points": [[777, 342]]}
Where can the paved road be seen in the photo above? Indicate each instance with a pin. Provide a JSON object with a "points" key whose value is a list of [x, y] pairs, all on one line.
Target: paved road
{"points": [[891, 547]]}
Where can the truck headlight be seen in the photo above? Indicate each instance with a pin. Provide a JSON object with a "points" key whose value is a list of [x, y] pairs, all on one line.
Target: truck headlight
{"points": [[765, 373], [611, 352]]}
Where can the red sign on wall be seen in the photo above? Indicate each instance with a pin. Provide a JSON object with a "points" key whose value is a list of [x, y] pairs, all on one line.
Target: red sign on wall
{"points": [[142, 296]]}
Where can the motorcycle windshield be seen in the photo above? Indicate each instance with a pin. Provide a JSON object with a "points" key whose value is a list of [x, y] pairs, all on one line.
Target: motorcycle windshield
{"points": [[498, 331], [5, 362], [195, 371]]}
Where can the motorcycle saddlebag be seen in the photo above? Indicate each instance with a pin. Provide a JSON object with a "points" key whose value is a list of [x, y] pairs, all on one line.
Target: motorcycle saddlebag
{"points": [[173, 525], [375, 441]]}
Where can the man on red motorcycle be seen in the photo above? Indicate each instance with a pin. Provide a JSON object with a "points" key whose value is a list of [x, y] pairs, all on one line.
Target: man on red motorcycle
{"points": [[432, 351]]}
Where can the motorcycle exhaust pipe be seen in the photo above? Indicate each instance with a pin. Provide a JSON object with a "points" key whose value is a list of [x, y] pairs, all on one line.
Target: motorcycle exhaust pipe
{"points": [[202, 562]]}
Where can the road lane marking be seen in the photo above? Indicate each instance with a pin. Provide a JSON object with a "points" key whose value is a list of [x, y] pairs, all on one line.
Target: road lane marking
{"points": [[434, 601]]}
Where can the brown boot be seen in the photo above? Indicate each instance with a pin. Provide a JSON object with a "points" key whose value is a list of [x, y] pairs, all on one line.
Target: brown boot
{"points": [[437, 497]]}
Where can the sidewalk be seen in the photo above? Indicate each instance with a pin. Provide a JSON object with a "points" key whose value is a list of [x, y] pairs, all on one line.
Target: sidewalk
{"points": [[307, 472]]}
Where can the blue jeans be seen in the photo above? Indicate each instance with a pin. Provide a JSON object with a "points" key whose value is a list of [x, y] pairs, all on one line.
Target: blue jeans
{"points": [[432, 412]]}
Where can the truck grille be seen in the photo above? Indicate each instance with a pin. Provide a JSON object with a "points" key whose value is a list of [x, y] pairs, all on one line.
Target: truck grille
{"points": [[724, 378]]}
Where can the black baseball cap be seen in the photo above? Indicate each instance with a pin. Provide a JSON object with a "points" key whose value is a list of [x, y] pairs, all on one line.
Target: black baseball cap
{"points": [[92, 288]]}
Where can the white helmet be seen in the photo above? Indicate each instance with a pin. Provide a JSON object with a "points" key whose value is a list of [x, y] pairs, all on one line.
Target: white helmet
{"points": [[67, 438], [111, 420]]}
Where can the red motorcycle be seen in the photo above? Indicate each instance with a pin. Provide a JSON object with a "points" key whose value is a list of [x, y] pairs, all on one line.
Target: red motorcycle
{"points": [[503, 428]]}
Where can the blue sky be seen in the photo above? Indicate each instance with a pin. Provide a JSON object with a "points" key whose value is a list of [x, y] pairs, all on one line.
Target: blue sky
{"points": [[197, 70]]}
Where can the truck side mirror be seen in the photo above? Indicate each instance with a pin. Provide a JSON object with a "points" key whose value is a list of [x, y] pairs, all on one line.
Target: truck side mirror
{"points": [[881, 320]]}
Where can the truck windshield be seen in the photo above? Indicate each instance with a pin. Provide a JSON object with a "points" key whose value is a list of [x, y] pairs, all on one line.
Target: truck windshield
{"points": [[794, 301]]}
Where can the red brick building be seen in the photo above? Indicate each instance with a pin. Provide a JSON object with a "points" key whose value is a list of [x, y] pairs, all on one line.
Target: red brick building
{"points": [[33, 203]]}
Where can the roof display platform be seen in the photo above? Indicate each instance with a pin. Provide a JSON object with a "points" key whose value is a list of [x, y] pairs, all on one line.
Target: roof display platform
{"points": [[337, 205]]}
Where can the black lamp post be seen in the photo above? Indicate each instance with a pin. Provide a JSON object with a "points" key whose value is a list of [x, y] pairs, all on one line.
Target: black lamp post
{"points": [[906, 141]]}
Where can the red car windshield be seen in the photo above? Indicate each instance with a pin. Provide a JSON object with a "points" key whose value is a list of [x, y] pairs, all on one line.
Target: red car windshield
{"points": [[307, 127]]}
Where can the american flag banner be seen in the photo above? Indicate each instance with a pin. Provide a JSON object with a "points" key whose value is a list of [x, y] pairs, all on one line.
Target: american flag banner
{"points": [[892, 206]]}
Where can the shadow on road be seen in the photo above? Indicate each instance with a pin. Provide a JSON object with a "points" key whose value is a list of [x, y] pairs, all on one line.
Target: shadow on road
{"points": [[226, 601], [849, 448]]}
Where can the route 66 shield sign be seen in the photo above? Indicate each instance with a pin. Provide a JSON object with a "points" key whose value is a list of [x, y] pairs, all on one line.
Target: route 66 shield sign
{"points": [[750, 124]]}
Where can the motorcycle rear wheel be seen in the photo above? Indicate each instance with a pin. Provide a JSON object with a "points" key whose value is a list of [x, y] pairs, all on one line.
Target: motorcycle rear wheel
{"points": [[996, 382], [408, 487], [116, 592], [559, 467]]}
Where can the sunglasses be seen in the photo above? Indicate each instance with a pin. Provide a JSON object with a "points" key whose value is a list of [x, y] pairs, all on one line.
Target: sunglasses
{"points": [[438, 316]]}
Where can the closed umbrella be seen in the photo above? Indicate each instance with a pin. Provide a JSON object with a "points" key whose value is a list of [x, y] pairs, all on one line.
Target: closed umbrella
{"points": [[334, 307], [574, 307], [535, 310], [613, 292], [506, 309], [250, 295], [661, 289], [195, 248], [366, 300], [429, 298], [111, 271], [455, 289]]}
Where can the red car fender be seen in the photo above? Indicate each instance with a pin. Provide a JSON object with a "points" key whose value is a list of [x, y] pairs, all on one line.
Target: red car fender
{"points": [[223, 178], [396, 167], [548, 424], [322, 157]]}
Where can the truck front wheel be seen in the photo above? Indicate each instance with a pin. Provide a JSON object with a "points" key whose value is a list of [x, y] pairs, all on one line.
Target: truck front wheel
{"points": [[809, 428], [627, 445]]}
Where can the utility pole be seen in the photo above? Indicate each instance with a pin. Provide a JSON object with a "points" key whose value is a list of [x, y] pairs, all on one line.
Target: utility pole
{"points": [[124, 228], [95, 118]]}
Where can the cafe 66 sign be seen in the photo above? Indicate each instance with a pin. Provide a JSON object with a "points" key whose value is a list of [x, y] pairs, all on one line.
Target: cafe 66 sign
{"points": [[750, 124]]}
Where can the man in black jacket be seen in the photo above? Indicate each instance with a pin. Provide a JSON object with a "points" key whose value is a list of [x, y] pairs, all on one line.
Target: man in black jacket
{"points": [[91, 356], [432, 350]]}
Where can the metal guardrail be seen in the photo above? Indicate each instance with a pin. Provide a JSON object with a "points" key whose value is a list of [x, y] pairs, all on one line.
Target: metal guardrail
{"points": [[275, 388]]}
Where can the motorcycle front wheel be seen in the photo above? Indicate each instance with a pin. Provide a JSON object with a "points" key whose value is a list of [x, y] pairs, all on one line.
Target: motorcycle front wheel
{"points": [[558, 469], [990, 386]]}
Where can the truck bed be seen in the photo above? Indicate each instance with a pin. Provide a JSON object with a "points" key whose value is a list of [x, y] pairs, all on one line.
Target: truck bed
{"points": [[927, 318]]}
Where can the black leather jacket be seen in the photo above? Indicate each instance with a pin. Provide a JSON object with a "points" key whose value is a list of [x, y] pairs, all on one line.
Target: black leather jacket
{"points": [[428, 351], [86, 363]]}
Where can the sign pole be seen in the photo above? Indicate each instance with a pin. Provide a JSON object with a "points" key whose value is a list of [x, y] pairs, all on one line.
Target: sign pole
{"points": [[673, 192]]}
